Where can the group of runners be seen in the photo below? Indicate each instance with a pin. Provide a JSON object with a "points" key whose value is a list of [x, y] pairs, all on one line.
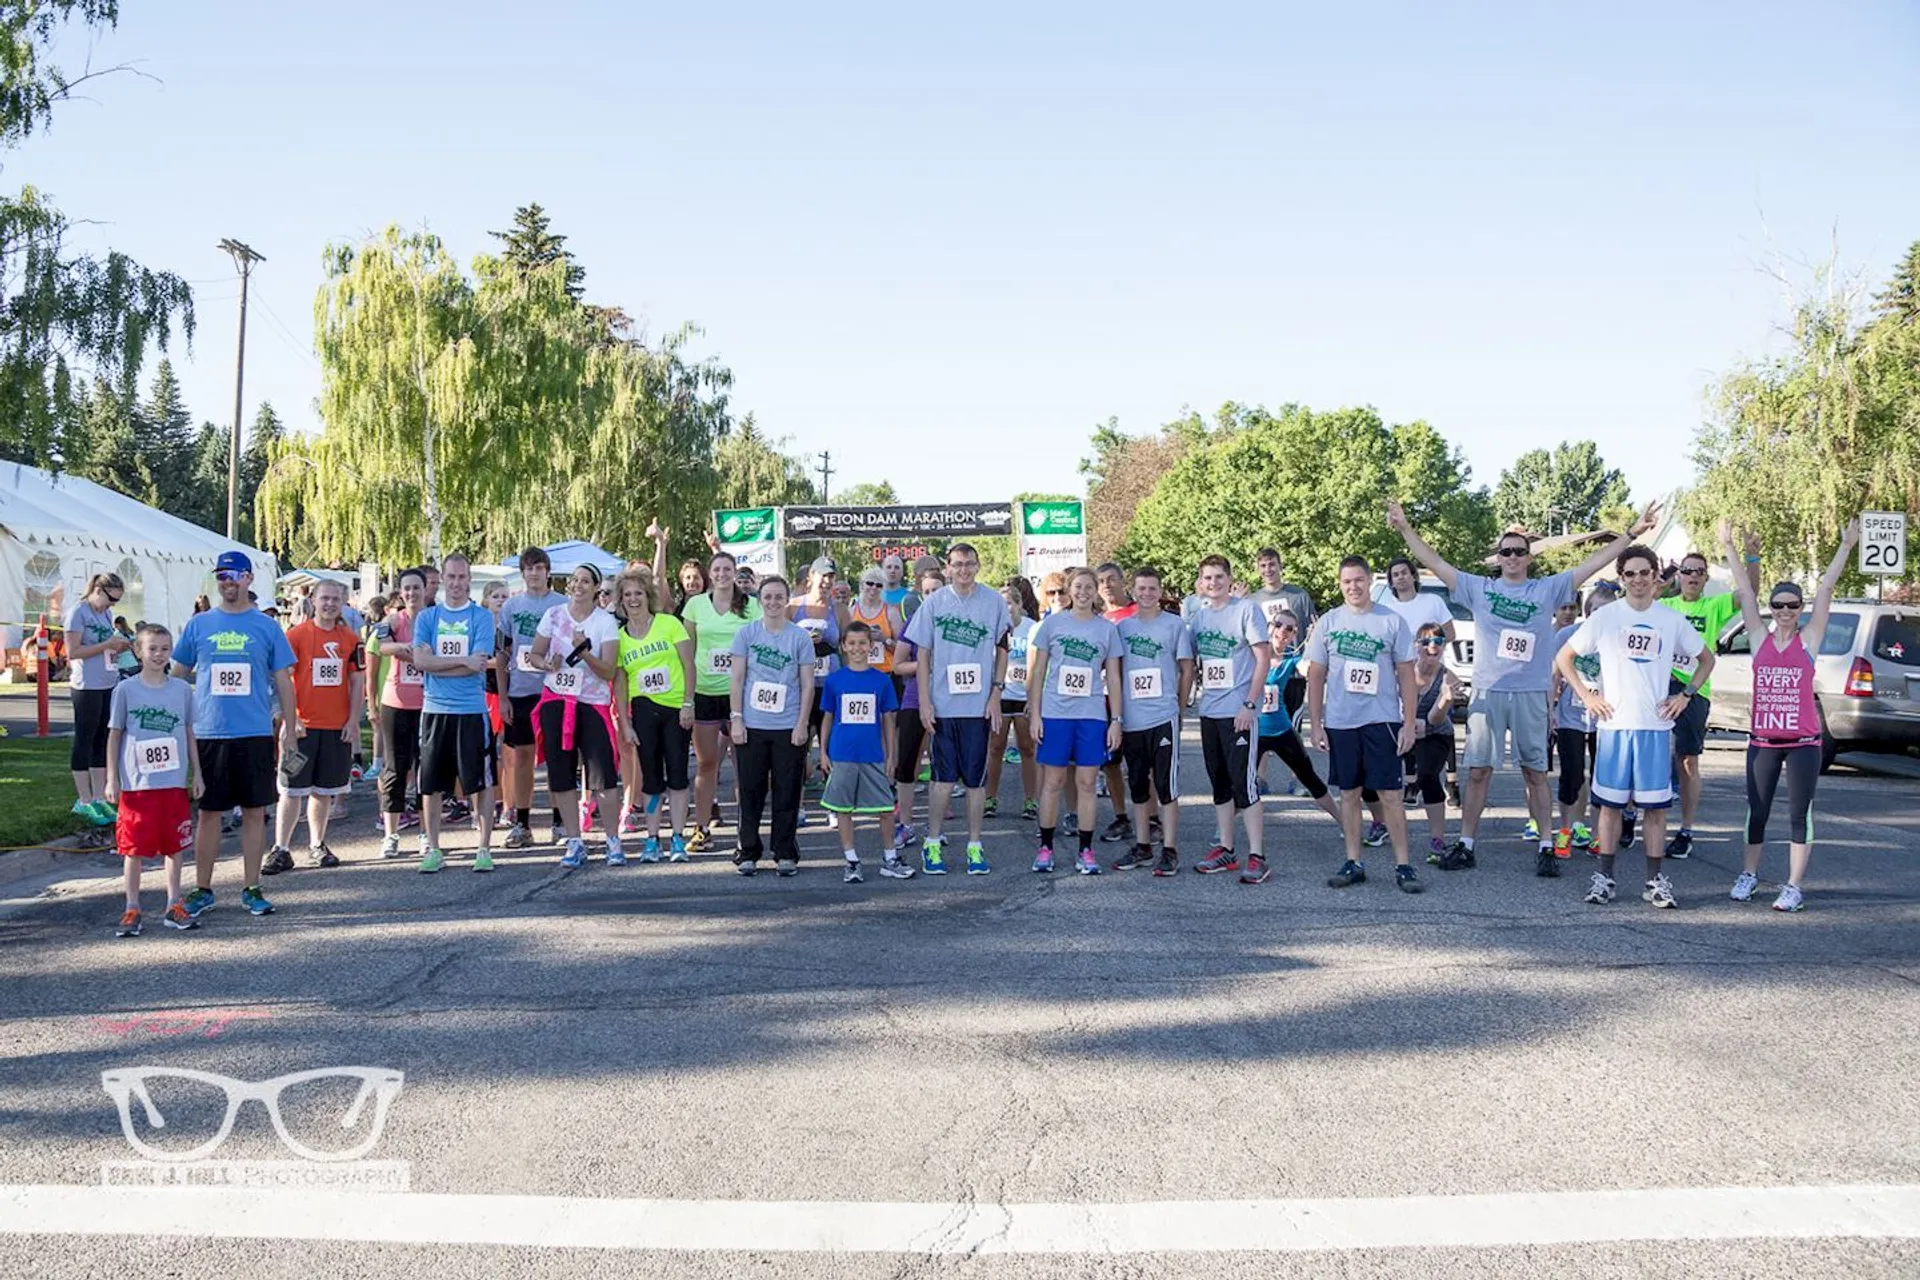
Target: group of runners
{"points": [[631, 701]]}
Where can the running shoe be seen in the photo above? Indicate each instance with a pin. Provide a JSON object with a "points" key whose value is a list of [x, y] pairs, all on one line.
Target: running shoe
{"points": [[1659, 892], [1154, 834], [1599, 890], [483, 859], [1545, 864], [1132, 858], [1030, 811], [616, 856], [1681, 845], [576, 853], [700, 841], [1459, 857], [279, 858], [321, 856], [933, 859], [744, 865], [993, 806], [197, 901], [1350, 873], [87, 811], [1118, 829], [1086, 864], [409, 819], [129, 924], [1043, 861], [630, 822], [650, 849], [1010, 756], [177, 917], [902, 836], [1436, 852], [589, 810], [1627, 818], [1743, 887], [557, 834], [1100, 785], [1376, 835], [714, 817], [452, 810], [891, 868], [1582, 836], [1453, 794], [1167, 864], [1218, 859], [787, 866], [1790, 899], [1410, 795], [228, 824], [925, 774], [977, 860], [852, 874], [1531, 831], [255, 901], [1257, 870], [1406, 881], [390, 847], [677, 851], [432, 861], [518, 837], [1563, 843], [803, 819]]}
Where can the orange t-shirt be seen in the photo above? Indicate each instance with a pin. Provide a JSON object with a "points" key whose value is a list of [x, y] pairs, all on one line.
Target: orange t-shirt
{"points": [[324, 665]]}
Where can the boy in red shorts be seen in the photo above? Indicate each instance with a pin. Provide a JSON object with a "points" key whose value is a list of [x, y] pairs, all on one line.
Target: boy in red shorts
{"points": [[151, 773]]}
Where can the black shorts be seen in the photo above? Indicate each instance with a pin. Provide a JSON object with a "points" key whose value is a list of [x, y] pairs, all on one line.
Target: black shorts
{"points": [[1367, 757], [960, 750], [1429, 756], [662, 748], [1229, 755], [592, 752], [1576, 762], [518, 732], [1153, 763], [239, 773], [1690, 728], [713, 708], [329, 767], [911, 735], [1009, 709], [453, 750]]}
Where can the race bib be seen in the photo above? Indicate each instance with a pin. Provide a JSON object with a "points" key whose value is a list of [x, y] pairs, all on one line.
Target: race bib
{"points": [[1273, 609], [565, 682], [523, 661], [1516, 646], [719, 662], [1363, 678], [326, 673], [964, 677], [1685, 662], [1270, 699], [1017, 672], [822, 668], [858, 708], [769, 699], [1216, 674], [231, 679], [157, 755], [410, 674], [656, 680], [1642, 644], [451, 646], [1074, 682], [1144, 684]]}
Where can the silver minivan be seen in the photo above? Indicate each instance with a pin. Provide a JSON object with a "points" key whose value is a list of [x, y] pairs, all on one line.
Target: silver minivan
{"points": [[1866, 676]]}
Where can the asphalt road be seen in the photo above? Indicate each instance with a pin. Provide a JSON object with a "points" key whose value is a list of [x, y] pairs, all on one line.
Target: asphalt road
{"points": [[954, 1046]]}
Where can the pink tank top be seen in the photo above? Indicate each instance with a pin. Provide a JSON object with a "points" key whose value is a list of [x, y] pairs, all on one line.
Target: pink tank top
{"points": [[1784, 714]]}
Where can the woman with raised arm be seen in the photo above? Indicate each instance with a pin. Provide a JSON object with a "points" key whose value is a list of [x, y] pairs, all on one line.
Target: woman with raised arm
{"points": [[1784, 735]]}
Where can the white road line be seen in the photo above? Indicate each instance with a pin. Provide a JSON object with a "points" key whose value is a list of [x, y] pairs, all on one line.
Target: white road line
{"points": [[826, 1226]]}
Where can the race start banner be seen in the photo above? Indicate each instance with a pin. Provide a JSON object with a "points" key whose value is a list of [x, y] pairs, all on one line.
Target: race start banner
{"points": [[751, 536], [941, 520], [1053, 536]]}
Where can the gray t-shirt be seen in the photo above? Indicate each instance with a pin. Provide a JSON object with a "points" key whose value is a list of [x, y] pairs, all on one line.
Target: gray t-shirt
{"points": [[1150, 654], [1289, 597], [1359, 649], [961, 632], [88, 625], [1512, 629], [153, 723], [1223, 641], [1573, 712], [770, 694], [519, 619], [1077, 651]]}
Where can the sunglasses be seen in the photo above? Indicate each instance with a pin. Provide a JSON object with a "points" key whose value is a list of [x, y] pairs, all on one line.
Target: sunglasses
{"points": [[1693, 573], [1783, 604], [1432, 642], [1057, 591], [228, 576], [1514, 551], [1632, 574]]}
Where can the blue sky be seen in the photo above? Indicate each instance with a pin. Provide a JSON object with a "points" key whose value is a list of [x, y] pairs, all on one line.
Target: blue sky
{"points": [[946, 246]]}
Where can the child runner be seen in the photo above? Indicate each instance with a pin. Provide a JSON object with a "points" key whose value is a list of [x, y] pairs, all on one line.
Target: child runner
{"points": [[857, 741], [910, 740], [1277, 733], [1075, 721], [1025, 611], [152, 774]]}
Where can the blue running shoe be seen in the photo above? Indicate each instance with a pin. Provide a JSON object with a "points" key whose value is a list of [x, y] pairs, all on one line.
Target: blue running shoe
{"points": [[1043, 861], [576, 854], [255, 901], [677, 851], [197, 901], [650, 851], [977, 861], [933, 859]]}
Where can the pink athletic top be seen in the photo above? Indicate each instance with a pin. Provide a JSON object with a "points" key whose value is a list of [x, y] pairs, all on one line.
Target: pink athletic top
{"points": [[1784, 714], [406, 684]]}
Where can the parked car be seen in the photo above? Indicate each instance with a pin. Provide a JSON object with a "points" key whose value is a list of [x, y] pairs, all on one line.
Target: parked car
{"points": [[1459, 657], [1866, 677]]}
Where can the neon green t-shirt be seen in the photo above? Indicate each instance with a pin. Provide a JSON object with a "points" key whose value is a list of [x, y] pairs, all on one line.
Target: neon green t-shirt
{"points": [[652, 664], [1709, 615], [713, 634]]}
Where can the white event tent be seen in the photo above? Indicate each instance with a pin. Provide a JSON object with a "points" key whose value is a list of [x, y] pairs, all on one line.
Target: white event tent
{"points": [[56, 531]]}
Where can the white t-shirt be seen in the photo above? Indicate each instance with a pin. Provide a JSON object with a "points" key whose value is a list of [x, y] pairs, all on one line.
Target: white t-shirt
{"points": [[1425, 607], [1635, 647], [563, 631]]}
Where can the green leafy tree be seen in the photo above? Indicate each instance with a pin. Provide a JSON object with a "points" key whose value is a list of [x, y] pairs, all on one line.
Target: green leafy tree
{"points": [[1315, 486], [1122, 473], [63, 315], [1565, 491]]}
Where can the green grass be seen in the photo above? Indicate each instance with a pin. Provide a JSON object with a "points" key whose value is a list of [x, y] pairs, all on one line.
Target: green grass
{"points": [[36, 790]]}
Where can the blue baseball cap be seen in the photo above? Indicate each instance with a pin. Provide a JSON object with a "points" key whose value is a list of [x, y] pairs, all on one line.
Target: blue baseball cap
{"points": [[233, 562]]}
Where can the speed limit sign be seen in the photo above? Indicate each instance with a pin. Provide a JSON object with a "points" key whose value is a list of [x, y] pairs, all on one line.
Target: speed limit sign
{"points": [[1883, 543]]}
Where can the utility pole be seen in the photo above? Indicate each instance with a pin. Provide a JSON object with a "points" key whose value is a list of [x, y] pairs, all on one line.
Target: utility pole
{"points": [[826, 470], [243, 259]]}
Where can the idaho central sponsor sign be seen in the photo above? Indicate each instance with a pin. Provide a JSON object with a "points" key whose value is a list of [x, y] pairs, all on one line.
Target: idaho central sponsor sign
{"points": [[751, 536], [1053, 536], [947, 519]]}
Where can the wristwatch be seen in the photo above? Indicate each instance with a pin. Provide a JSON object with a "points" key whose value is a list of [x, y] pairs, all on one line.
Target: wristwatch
{"points": [[1249, 704]]}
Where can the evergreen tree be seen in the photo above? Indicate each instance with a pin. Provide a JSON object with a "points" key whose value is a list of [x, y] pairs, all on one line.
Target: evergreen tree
{"points": [[1900, 300], [112, 454], [166, 437], [531, 245], [263, 441]]}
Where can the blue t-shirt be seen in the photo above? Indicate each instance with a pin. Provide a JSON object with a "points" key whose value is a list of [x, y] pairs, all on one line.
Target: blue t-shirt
{"points": [[455, 633], [856, 700], [234, 657], [1274, 719]]}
